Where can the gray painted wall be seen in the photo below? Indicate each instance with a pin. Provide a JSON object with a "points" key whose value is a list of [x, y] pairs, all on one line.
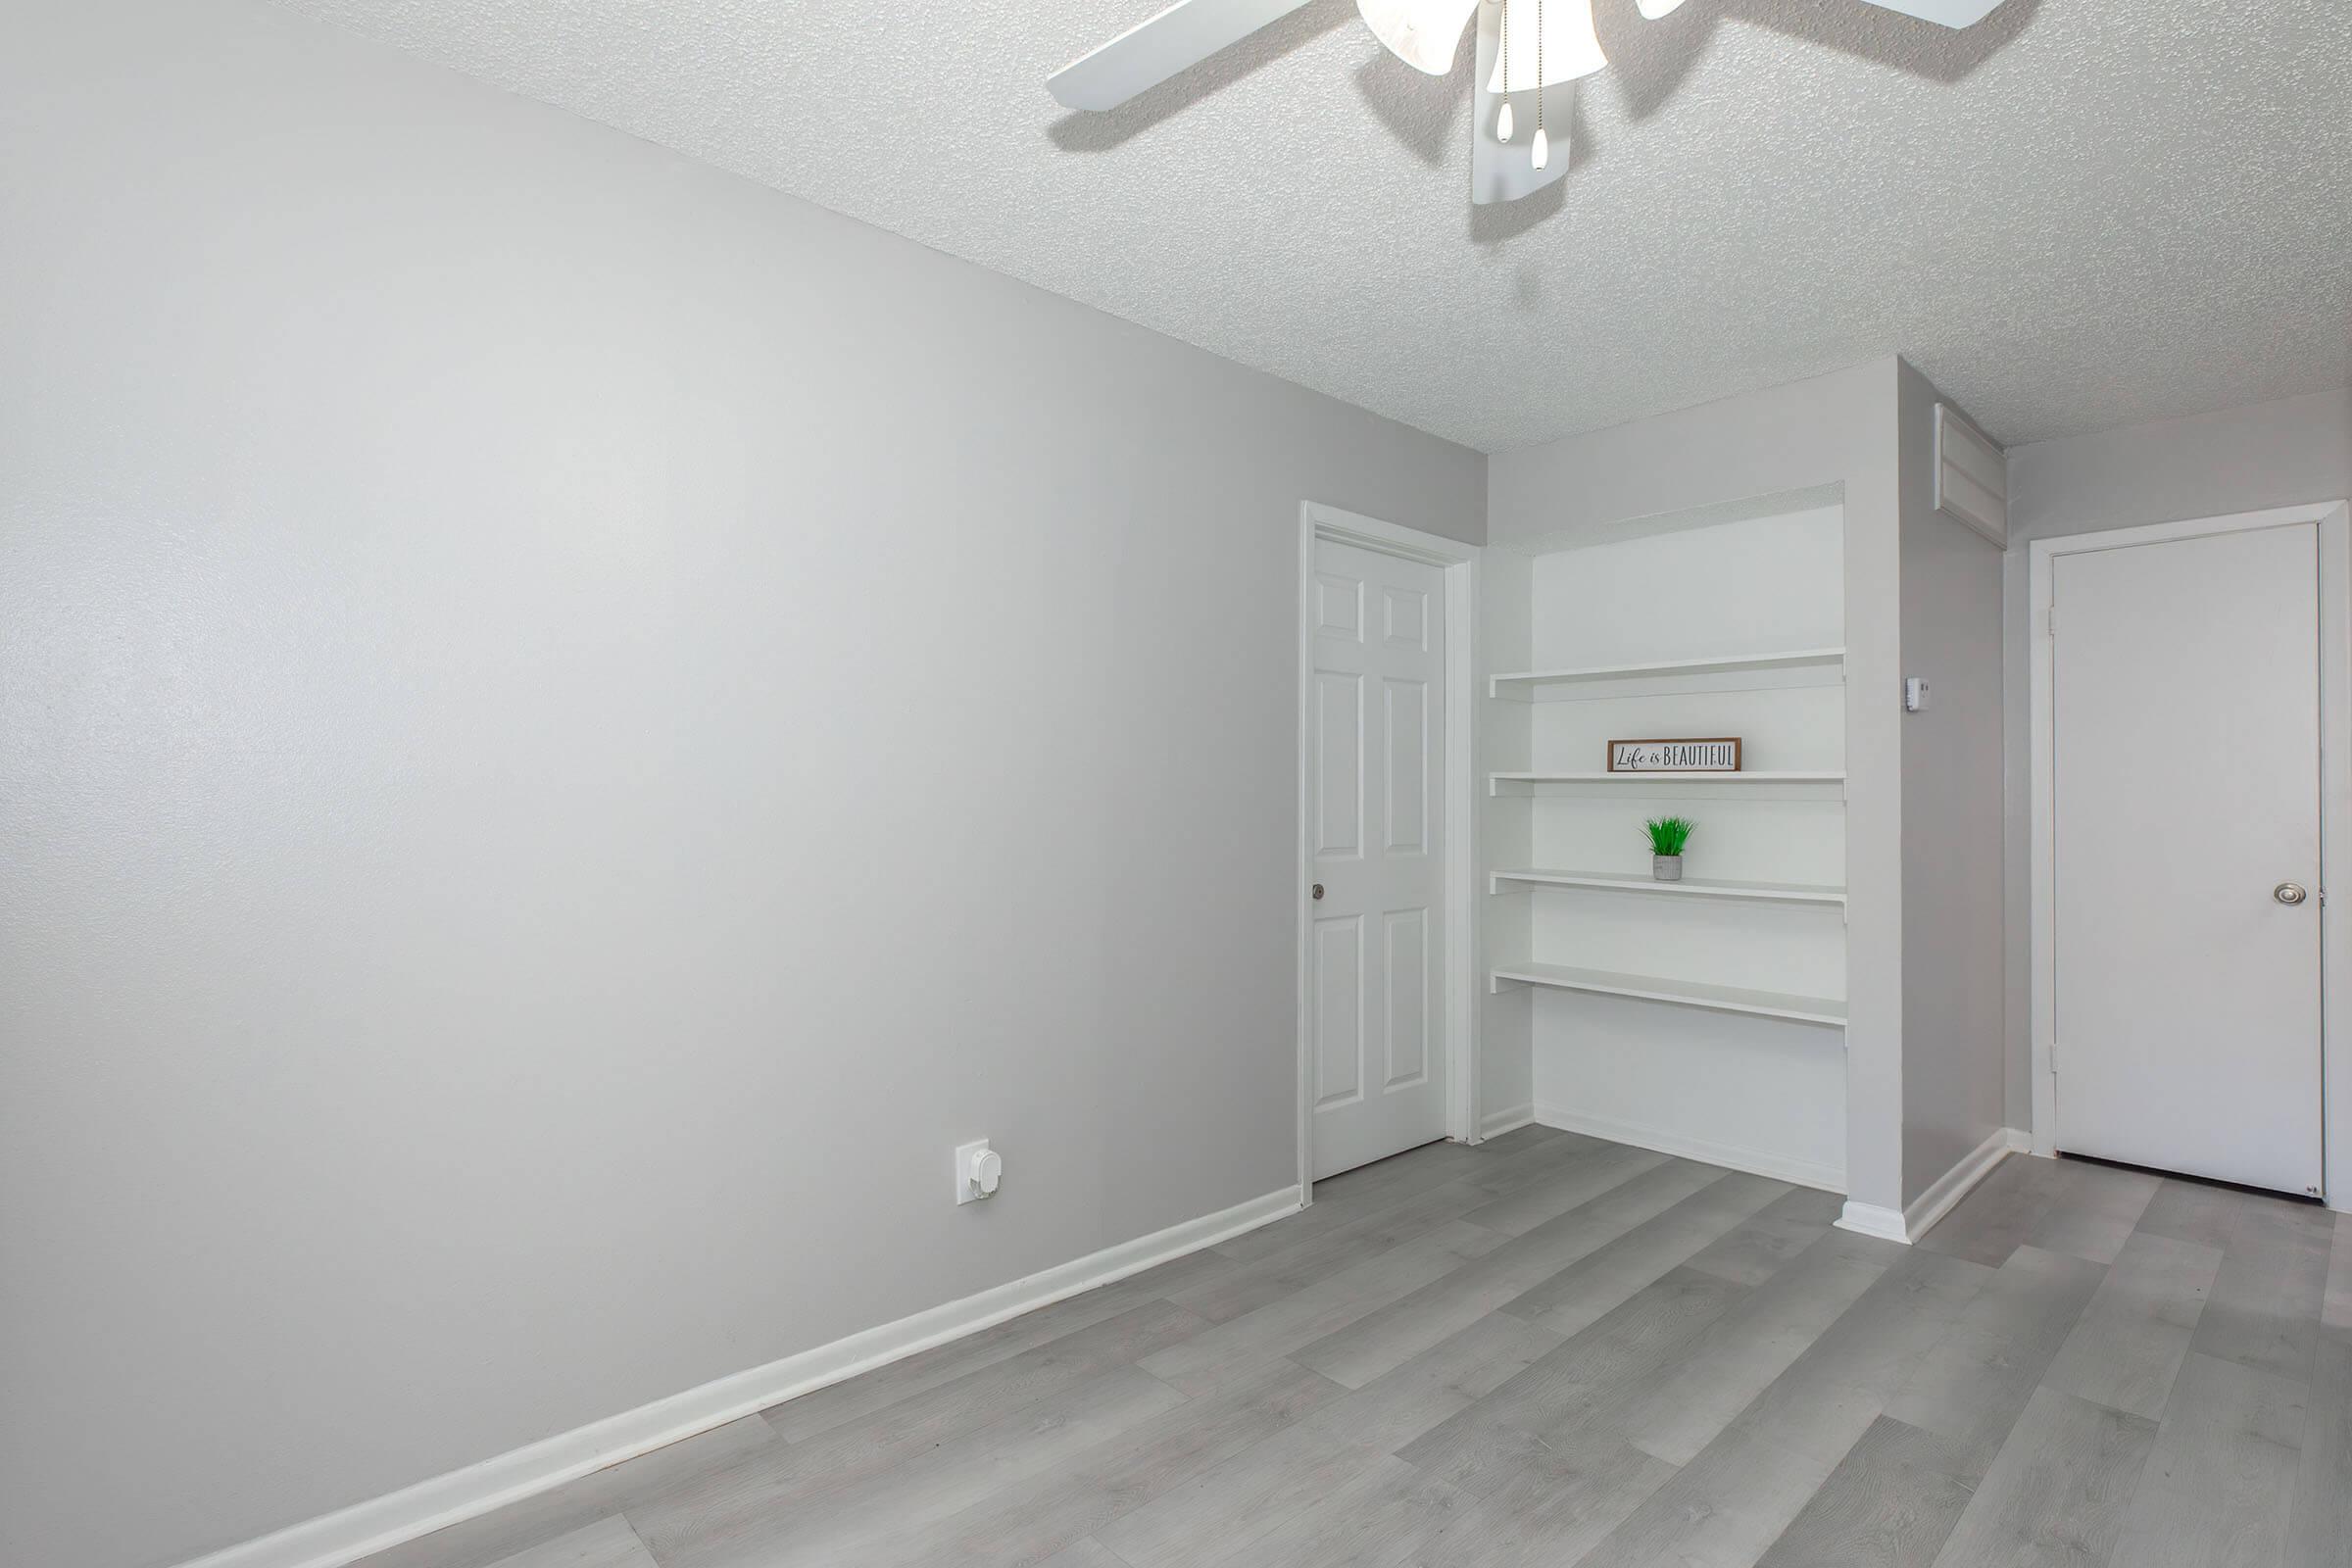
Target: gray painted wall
{"points": [[1952, 998], [567, 725], [1838, 429], [2239, 460]]}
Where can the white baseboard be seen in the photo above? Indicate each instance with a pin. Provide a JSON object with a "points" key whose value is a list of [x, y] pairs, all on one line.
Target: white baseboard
{"points": [[333, 1539], [1873, 1219], [1955, 1184], [1755, 1162], [1945, 1191], [1494, 1123]]}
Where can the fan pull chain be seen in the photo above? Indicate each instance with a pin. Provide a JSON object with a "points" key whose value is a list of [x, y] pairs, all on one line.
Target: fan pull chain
{"points": [[1503, 120], [1542, 147]]}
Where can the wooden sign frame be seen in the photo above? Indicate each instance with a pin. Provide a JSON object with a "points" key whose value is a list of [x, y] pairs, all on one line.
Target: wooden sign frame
{"points": [[1733, 741]]}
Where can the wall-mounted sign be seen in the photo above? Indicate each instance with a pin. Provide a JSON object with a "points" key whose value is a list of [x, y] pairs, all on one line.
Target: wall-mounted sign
{"points": [[1714, 755]]}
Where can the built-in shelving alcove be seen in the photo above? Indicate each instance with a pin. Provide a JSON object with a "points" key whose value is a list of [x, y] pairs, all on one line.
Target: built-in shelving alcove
{"points": [[1703, 1017]]}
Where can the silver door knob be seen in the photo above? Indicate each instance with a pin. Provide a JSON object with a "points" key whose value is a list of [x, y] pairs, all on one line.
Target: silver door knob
{"points": [[2289, 893], [1318, 890]]}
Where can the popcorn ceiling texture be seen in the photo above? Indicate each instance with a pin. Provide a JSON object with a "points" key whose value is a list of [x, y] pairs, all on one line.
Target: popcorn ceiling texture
{"points": [[2077, 215]]}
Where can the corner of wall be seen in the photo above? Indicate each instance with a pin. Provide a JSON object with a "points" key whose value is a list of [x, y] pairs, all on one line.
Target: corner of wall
{"points": [[1873, 812]]}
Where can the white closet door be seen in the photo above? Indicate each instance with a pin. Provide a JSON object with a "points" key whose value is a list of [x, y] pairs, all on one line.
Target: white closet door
{"points": [[1376, 808], [2186, 732]]}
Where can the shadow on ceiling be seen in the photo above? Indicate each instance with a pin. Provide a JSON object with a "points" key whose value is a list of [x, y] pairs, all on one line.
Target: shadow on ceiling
{"points": [[1649, 61]]}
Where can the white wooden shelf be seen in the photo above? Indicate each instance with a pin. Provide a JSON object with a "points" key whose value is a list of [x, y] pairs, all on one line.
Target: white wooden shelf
{"points": [[1825, 1010], [1689, 888], [1669, 776], [1527, 685]]}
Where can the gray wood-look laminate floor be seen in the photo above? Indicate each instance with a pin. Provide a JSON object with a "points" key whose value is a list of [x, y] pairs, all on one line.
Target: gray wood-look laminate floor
{"points": [[1555, 1350]]}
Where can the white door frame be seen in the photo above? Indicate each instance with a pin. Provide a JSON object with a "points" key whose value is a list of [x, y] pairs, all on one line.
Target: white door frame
{"points": [[1460, 876], [2335, 519]]}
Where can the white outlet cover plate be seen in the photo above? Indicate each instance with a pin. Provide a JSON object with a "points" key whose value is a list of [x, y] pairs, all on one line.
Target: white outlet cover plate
{"points": [[966, 1155]]}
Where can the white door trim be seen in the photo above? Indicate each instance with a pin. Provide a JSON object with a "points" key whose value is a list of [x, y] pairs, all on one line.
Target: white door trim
{"points": [[1460, 563], [2334, 520]]}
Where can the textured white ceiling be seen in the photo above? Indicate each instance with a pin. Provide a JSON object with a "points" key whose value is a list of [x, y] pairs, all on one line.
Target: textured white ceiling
{"points": [[2077, 215]]}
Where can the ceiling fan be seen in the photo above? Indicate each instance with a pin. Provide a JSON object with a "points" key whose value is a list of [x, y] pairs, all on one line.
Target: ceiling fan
{"points": [[1525, 48]]}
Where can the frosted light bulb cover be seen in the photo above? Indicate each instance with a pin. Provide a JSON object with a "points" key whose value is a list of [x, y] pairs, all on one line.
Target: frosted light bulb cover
{"points": [[1503, 123], [1542, 148], [1571, 48], [1423, 33]]}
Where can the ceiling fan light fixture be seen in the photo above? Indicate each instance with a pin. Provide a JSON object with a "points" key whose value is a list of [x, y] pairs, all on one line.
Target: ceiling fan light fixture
{"points": [[1570, 49], [1427, 35], [1423, 33]]}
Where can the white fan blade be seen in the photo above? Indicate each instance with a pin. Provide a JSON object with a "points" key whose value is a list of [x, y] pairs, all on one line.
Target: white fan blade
{"points": [[1652, 10], [1151, 52], [1423, 33], [1571, 49], [1951, 13]]}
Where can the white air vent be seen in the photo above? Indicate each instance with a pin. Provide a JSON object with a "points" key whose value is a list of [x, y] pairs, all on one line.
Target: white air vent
{"points": [[1972, 476]]}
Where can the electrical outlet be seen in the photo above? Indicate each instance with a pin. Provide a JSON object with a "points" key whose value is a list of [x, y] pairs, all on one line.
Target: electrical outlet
{"points": [[978, 1170]]}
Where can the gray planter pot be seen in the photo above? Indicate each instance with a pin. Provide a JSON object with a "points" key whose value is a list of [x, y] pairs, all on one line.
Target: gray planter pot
{"points": [[1666, 868]]}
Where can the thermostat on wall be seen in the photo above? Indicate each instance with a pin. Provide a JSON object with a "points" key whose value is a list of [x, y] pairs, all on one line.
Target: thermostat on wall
{"points": [[1915, 694]]}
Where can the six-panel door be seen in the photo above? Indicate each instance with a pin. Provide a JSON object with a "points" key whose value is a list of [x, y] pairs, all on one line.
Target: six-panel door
{"points": [[1374, 814]]}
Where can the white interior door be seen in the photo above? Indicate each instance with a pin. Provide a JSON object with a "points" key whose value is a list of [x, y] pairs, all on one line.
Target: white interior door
{"points": [[1376, 809], [2185, 738]]}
